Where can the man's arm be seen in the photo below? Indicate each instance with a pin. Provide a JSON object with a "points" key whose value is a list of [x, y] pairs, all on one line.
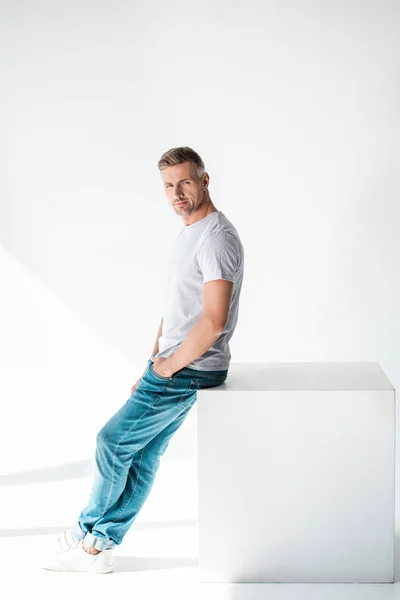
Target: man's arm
{"points": [[216, 304]]}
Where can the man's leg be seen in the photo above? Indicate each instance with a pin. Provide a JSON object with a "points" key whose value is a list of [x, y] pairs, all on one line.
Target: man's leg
{"points": [[128, 451], [141, 476]]}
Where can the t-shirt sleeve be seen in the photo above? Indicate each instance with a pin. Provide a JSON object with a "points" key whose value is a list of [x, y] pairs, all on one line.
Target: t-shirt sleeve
{"points": [[219, 257]]}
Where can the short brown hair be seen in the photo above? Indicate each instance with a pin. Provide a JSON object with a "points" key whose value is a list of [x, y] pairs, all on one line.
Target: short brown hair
{"points": [[181, 154]]}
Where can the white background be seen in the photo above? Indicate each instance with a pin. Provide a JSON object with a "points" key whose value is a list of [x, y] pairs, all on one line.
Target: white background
{"points": [[292, 105]]}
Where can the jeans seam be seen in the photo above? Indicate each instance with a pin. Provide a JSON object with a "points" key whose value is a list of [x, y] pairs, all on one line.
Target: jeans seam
{"points": [[115, 451], [189, 389], [134, 489]]}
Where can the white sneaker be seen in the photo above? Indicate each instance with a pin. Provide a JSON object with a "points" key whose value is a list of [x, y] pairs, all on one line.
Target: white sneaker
{"points": [[69, 555]]}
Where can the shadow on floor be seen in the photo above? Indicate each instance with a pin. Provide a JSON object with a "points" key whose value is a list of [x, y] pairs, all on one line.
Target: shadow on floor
{"points": [[124, 564]]}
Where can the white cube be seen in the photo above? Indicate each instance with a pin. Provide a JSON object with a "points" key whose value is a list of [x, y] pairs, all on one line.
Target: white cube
{"points": [[297, 474]]}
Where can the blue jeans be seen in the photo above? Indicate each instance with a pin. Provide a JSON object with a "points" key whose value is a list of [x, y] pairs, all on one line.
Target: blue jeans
{"points": [[128, 451]]}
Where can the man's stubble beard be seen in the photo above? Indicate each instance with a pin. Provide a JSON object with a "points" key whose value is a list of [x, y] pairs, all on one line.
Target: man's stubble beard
{"points": [[191, 209]]}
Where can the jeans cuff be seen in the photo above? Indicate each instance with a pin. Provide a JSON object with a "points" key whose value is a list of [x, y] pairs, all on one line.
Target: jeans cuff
{"points": [[97, 542], [92, 540], [77, 531]]}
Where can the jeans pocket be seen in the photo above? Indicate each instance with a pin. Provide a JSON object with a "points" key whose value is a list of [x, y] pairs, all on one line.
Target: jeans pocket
{"points": [[156, 374], [189, 394], [161, 377]]}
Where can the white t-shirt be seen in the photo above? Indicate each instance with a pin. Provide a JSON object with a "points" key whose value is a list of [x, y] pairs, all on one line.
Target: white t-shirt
{"points": [[206, 250]]}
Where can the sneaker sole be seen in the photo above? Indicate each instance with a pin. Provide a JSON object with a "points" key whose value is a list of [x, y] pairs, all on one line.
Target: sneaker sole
{"points": [[78, 571]]}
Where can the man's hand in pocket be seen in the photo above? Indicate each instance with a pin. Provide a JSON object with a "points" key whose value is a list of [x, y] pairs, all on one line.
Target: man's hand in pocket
{"points": [[160, 368]]}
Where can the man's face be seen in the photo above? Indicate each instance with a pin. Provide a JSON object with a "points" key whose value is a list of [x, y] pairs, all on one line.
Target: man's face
{"points": [[182, 184]]}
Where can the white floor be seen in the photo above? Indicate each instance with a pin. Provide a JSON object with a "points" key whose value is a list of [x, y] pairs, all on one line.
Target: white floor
{"points": [[146, 565], [158, 556]]}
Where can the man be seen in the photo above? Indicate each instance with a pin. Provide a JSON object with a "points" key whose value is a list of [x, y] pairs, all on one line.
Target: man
{"points": [[191, 352]]}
